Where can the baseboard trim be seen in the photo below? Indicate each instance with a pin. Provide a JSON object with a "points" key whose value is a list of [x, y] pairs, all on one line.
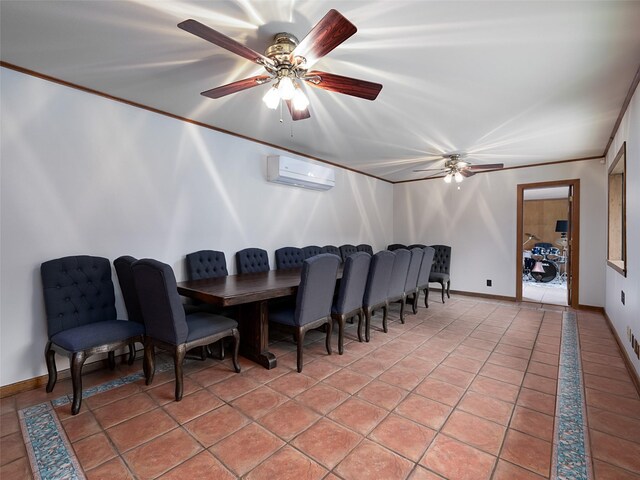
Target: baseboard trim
{"points": [[38, 382], [625, 356], [592, 308], [477, 294]]}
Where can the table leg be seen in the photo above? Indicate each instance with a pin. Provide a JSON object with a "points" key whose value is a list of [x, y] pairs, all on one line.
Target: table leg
{"points": [[253, 322]]}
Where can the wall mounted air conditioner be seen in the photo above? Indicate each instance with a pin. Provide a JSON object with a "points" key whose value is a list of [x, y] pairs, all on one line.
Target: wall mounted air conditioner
{"points": [[300, 173]]}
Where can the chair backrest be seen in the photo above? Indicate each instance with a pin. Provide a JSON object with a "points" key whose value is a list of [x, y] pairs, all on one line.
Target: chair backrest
{"points": [[252, 260], [353, 283], [128, 287], [411, 283], [399, 273], [162, 310], [395, 246], [317, 285], [416, 245], [333, 250], [346, 250], [289, 257], [378, 278], [425, 267], [206, 264], [442, 259], [363, 247], [77, 291], [311, 251]]}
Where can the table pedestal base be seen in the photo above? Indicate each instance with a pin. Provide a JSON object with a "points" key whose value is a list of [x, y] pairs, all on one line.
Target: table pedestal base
{"points": [[254, 335]]}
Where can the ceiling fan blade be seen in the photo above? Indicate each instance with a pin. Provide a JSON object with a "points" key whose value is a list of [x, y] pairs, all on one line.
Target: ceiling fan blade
{"points": [[490, 166], [429, 170], [237, 86], [217, 38], [434, 174], [328, 33], [465, 172], [346, 85], [297, 114]]}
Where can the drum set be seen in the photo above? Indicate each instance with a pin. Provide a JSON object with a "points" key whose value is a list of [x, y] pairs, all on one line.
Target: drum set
{"points": [[544, 265]]}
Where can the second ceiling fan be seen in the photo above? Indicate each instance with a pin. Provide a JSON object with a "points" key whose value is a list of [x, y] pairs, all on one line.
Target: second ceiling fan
{"points": [[287, 61]]}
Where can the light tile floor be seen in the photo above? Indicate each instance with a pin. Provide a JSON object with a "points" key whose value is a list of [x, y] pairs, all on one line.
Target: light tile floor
{"points": [[546, 293], [464, 390]]}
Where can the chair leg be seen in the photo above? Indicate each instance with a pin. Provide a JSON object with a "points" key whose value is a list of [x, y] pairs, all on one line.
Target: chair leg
{"points": [[327, 341], [448, 286], [426, 297], [361, 323], [112, 360], [149, 362], [132, 353], [77, 360], [300, 340], [442, 284], [50, 357], [403, 302], [178, 358], [385, 310], [221, 346], [236, 348], [367, 324], [341, 323], [414, 302]]}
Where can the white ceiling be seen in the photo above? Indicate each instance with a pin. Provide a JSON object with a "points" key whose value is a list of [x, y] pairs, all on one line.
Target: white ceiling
{"points": [[513, 82]]}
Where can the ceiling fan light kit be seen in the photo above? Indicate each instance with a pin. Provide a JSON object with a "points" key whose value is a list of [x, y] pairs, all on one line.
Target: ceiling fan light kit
{"points": [[287, 61], [456, 169]]}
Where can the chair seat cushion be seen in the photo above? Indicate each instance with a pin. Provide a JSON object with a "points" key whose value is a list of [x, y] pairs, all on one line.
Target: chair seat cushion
{"points": [[438, 277], [206, 324], [283, 314], [96, 334]]}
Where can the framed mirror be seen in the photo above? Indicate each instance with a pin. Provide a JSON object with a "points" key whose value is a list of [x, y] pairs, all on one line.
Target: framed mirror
{"points": [[617, 214]]}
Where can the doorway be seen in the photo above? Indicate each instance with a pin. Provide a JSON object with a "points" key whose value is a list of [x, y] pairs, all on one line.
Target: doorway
{"points": [[548, 242]]}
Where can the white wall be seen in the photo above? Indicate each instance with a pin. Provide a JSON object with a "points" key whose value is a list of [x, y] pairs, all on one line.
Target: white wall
{"points": [[628, 315], [82, 174], [479, 222]]}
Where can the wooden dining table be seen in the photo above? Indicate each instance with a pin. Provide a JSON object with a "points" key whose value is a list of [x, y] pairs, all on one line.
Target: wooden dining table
{"points": [[250, 293]]}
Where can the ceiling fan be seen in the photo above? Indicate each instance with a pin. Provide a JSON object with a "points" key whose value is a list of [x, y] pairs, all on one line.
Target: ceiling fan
{"points": [[456, 168], [286, 61]]}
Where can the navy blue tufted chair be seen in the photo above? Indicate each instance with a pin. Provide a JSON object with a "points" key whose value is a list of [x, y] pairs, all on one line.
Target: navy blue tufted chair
{"points": [[398, 279], [411, 284], [333, 250], [416, 245], [346, 250], [363, 247], [311, 251], [423, 278], [81, 316], [252, 260], [167, 326], [348, 303], [375, 293], [289, 257], [206, 264], [313, 301], [395, 246], [440, 269]]}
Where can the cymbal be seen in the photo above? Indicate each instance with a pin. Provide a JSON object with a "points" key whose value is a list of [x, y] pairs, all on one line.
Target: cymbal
{"points": [[532, 236]]}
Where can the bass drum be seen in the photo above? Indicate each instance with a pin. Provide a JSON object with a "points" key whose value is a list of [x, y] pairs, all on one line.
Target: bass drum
{"points": [[550, 272]]}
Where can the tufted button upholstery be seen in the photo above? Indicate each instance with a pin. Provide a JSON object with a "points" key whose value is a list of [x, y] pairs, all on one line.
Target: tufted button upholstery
{"points": [[78, 291], [206, 264], [252, 260], [311, 251], [442, 259], [289, 257], [363, 247], [331, 249], [346, 250]]}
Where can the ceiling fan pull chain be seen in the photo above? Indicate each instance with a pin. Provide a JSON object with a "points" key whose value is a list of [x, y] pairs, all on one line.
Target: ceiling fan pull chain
{"points": [[281, 121]]}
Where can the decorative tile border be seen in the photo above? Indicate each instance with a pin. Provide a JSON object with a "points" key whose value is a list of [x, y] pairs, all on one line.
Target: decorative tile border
{"points": [[571, 459], [50, 453]]}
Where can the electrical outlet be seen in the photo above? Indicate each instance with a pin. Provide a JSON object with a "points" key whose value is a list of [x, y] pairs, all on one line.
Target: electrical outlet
{"points": [[488, 283], [622, 296], [629, 332]]}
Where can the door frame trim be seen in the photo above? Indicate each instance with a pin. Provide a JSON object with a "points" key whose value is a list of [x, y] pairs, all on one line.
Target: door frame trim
{"points": [[574, 250]]}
